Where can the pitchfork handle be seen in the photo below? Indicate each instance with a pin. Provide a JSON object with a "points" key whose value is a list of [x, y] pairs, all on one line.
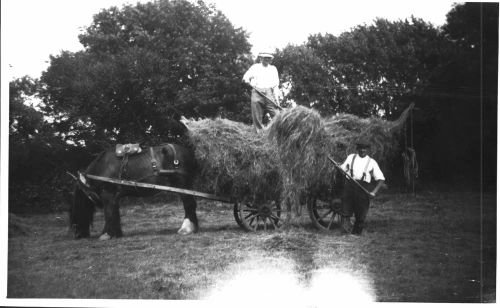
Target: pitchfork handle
{"points": [[267, 97], [348, 176]]}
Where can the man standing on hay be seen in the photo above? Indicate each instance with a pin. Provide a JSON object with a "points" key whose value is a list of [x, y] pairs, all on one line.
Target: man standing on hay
{"points": [[264, 80], [362, 168]]}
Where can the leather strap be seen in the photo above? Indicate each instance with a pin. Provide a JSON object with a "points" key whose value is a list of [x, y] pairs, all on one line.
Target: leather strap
{"points": [[366, 167], [352, 164], [154, 162], [157, 170], [123, 166], [174, 152]]}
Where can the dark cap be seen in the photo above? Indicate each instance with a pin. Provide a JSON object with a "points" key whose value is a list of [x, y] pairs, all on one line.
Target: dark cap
{"points": [[362, 143]]}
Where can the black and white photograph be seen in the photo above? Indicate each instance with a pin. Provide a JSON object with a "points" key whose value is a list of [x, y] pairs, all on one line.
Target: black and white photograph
{"points": [[248, 153]]}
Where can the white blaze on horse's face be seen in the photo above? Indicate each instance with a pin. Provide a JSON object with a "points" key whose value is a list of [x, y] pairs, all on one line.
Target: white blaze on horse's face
{"points": [[187, 227]]}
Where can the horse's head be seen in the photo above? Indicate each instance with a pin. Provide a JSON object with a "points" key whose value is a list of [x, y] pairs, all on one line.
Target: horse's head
{"points": [[82, 208]]}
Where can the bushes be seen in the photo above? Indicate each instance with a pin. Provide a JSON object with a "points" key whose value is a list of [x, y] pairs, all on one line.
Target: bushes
{"points": [[37, 176], [40, 198]]}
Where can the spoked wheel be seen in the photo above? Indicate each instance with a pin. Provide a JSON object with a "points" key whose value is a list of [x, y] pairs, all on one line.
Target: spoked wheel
{"points": [[260, 217], [324, 215], [236, 213]]}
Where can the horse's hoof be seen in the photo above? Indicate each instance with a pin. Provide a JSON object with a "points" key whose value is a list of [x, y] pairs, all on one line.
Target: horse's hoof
{"points": [[104, 237], [187, 227], [79, 236]]}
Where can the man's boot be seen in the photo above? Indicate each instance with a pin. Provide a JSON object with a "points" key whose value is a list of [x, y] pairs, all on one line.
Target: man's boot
{"points": [[357, 229], [345, 225]]}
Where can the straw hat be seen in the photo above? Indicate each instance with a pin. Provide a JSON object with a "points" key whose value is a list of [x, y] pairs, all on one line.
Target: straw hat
{"points": [[267, 53]]}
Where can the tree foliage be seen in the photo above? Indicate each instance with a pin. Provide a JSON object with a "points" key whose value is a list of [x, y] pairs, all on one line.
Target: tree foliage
{"points": [[303, 75], [38, 157], [450, 72], [464, 94], [371, 70], [24, 121], [141, 65]]}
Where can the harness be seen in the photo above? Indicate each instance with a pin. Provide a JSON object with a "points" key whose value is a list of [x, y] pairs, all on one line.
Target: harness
{"points": [[175, 162], [126, 150], [366, 167]]}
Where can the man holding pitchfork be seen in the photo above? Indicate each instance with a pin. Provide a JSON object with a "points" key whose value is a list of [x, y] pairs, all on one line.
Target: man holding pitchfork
{"points": [[360, 170], [264, 80]]}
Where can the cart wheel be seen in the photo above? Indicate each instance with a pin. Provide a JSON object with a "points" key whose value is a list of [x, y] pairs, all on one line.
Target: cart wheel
{"points": [[261, 217], [236, 213], [324, 215]]}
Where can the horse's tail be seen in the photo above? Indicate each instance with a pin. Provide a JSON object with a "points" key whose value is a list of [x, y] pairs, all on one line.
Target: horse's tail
{"points": [[82, 208]]}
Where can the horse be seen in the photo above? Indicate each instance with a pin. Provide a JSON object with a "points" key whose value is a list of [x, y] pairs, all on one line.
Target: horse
{"points": [[166, 164]]}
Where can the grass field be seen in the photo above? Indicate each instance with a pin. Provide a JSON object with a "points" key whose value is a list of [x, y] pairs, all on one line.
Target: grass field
{"points": [[430, 248]]}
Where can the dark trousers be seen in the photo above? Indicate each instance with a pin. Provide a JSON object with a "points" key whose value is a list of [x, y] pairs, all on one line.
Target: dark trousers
{"points": [[355, 201], [260, 106]]}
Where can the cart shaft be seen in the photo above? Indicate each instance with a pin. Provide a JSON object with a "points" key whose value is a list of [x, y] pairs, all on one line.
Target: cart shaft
{"points": [[160, 187]]}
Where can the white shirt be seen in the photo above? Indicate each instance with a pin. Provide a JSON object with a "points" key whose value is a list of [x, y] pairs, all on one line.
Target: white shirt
{"points": [[263, 77], [360, 164]]}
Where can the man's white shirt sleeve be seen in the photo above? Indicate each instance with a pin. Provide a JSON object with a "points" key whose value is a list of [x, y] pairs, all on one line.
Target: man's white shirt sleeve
{"points": [[249, 74], [377, 173]]}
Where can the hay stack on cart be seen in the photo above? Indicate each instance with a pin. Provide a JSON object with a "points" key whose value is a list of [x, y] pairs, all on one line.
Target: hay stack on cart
{"points": [[288, 159], [303, 140], [234, 160]]}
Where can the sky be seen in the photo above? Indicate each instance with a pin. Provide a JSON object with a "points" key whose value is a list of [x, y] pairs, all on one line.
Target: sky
{"points": [[32, 30]]}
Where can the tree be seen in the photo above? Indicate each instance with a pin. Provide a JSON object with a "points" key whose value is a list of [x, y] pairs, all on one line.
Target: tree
{"points": [[24, 121], [304, 74], [38, 157], [371, 70], [449, 72], [141, 65], [463, 96]]}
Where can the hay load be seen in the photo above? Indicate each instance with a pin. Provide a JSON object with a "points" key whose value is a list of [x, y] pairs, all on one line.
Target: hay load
{"points": [[234, 160], [300, 138], [344, 129], [289, 159], [303, 139]]}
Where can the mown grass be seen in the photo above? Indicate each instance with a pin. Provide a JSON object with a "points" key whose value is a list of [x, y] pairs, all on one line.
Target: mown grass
{"points": [[430, 248]]}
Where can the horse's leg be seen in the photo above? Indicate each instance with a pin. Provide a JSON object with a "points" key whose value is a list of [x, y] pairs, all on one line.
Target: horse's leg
{"points": [[81, 213], [112, 224], [190, 223]]}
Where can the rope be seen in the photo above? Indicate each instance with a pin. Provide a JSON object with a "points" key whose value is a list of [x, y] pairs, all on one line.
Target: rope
{"points": [[410, 167], [411, 128], [410, 164]]}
